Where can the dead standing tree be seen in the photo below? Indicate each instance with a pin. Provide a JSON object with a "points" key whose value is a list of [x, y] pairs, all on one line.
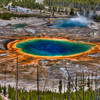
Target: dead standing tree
{"points": [[17, 77]]}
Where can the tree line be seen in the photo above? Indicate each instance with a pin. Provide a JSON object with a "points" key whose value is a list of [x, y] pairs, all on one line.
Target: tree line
{"points": [[23, 3]]}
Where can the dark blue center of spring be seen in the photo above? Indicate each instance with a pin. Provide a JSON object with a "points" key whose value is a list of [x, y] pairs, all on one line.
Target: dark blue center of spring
{"points": [[43, 47]]}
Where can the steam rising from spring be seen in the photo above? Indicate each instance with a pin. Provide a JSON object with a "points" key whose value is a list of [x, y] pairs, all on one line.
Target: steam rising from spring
{"points": [[78, 21]]}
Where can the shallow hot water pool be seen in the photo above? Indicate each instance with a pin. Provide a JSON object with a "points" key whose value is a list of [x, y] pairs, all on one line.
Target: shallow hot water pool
{"points": [[70, 23]]}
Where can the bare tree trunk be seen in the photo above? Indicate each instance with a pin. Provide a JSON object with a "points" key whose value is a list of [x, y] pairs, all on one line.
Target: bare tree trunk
{"points": [[5, 90], [38, 93], [83, 86], [72, 83], [76, 87], [17, 79], [96, 96]]}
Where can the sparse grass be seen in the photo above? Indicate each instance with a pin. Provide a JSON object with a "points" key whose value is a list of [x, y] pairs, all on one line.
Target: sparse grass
{"points": [[1, 98], [9, 15]]}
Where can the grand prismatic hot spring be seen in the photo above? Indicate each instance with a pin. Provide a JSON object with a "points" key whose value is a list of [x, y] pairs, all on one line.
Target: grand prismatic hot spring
{"points": [[51, 47]]}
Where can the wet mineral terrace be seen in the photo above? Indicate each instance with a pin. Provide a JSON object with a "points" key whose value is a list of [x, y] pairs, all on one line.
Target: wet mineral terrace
{"points": [[51, 70]]}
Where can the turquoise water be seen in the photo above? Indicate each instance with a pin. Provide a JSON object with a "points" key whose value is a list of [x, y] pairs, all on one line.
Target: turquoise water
{"points": [[43, 47], [69, 23], [18, 26]]}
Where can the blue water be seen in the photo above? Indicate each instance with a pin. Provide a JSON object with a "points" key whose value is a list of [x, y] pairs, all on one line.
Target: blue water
{"points": [[18, 26], [68, 23], [41, 47]]}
